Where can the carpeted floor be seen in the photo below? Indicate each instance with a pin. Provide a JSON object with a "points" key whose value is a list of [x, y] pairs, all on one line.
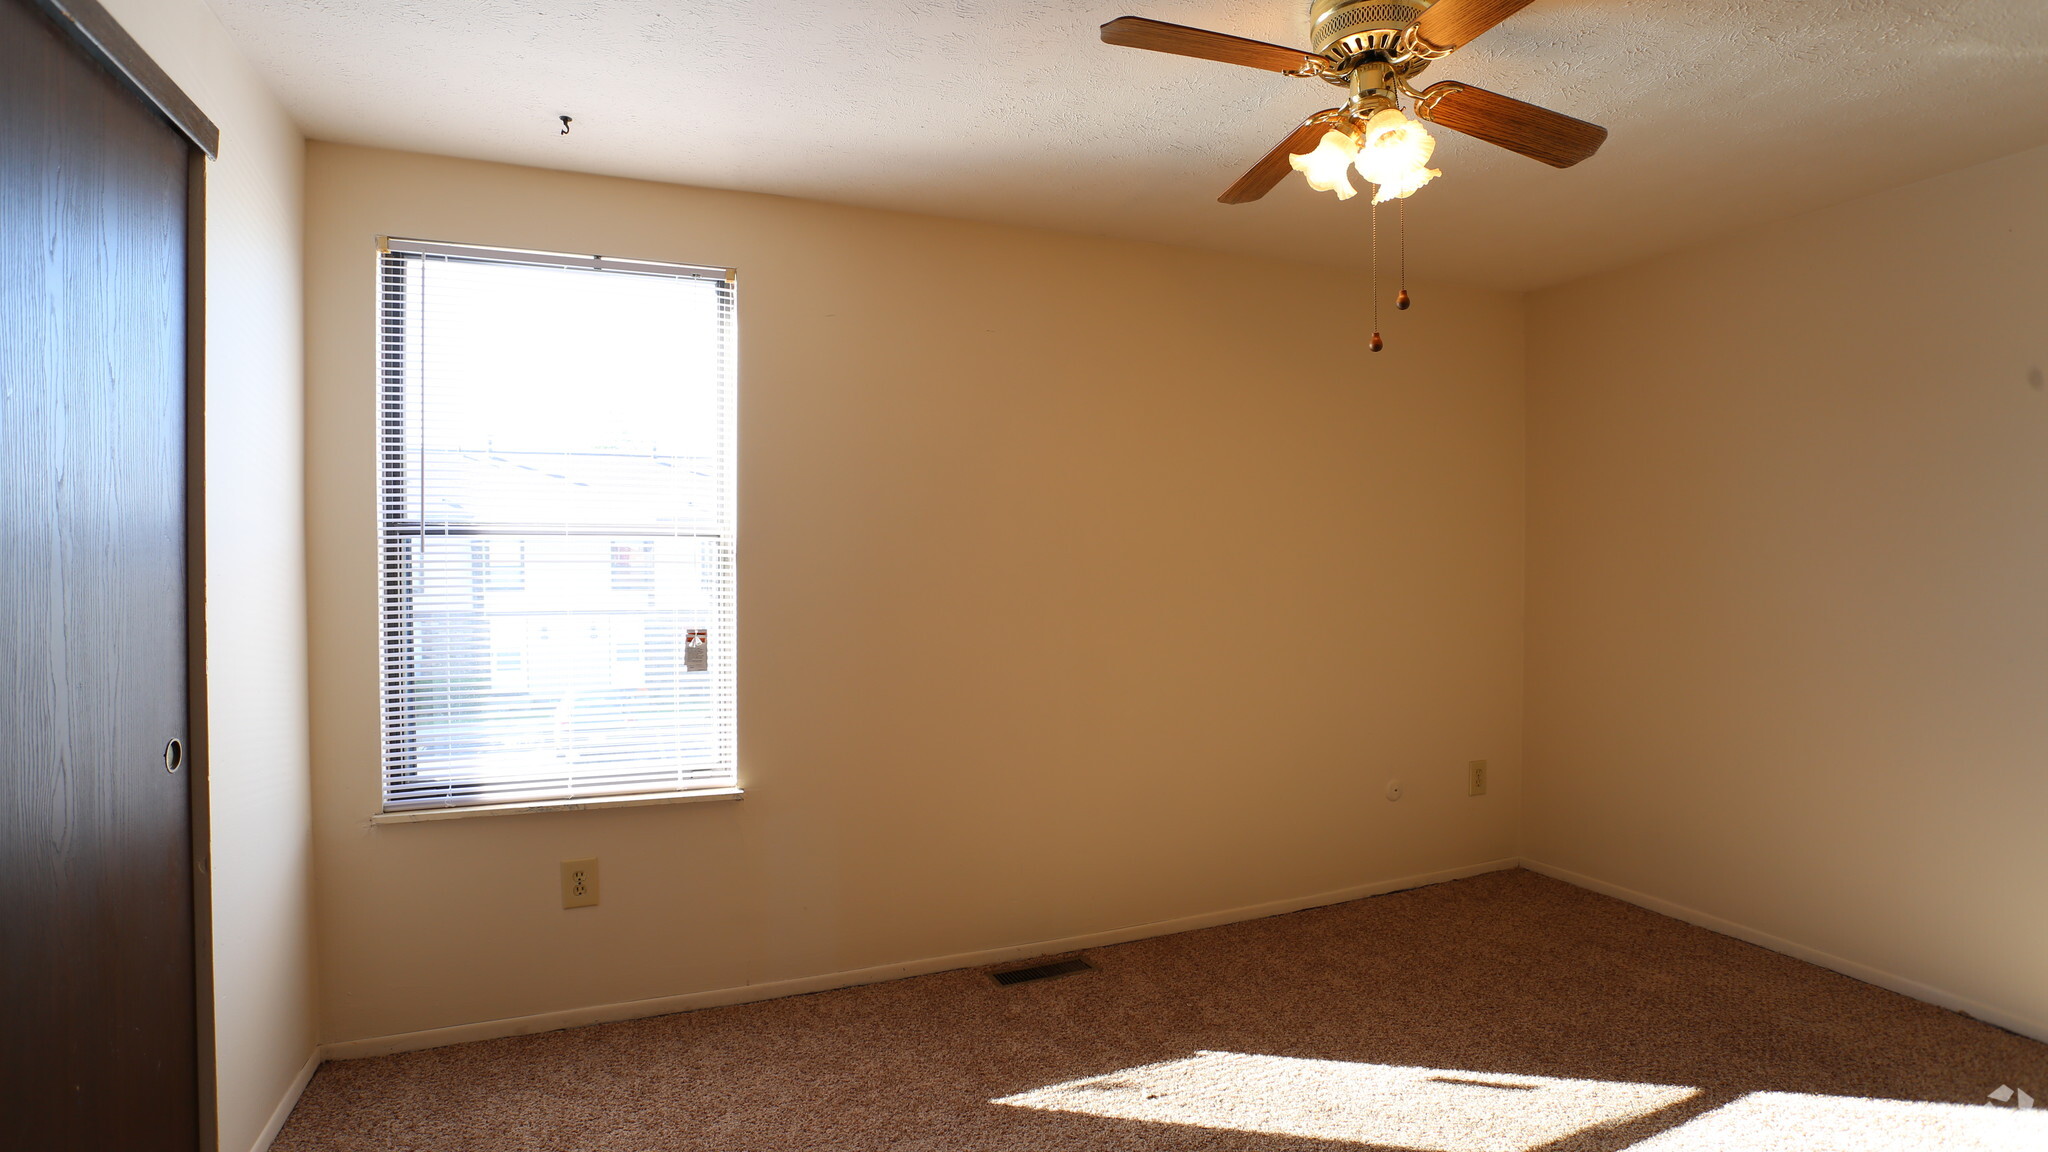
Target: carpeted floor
{"points": [[1504, 1013]]}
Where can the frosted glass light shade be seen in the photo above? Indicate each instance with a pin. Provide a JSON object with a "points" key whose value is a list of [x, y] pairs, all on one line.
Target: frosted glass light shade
{"points": [[1327, 168], [1394, 155]]}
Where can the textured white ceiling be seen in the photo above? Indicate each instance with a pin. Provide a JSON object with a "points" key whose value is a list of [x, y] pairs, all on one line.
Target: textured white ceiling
{"points": [[1723, 112]]}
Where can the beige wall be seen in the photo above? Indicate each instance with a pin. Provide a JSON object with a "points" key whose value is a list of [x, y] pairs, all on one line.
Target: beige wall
{"points": [[1788, 631], [255, 590], [1082, 587]]}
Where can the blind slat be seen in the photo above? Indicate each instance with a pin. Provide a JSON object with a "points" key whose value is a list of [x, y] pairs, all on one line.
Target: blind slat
{"points": [[556, 527]]}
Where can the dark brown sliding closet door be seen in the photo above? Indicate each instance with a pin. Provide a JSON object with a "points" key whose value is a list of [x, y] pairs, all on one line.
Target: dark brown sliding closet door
{"points": [[97, 1045]]}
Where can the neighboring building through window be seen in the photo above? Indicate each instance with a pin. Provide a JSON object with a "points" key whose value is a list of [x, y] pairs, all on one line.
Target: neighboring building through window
{"points": [[556, 523]]}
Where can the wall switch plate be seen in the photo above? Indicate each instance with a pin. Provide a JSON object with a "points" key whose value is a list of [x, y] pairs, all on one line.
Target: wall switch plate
{"points": [[1475, 778], [579, 883]]}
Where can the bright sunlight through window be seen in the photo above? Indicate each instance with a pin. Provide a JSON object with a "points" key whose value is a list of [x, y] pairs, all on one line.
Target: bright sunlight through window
{"points": [[1771, 1120], [556, 515], [1381, 1104], [1448, 1110]]}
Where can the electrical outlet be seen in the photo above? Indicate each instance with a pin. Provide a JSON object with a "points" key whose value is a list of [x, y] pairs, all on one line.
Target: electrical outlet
{"points": [[1475, 778], [579, 883]]}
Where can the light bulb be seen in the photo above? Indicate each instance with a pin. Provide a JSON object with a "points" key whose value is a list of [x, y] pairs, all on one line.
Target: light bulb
{"points": [[1395, 155], [1326, 166]]}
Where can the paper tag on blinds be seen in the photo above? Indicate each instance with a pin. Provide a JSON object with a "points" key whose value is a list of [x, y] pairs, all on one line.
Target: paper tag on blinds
{"points": [[696, 651]]}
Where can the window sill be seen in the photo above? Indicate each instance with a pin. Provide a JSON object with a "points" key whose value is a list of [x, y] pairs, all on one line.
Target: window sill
{"points": [[421, 815]]}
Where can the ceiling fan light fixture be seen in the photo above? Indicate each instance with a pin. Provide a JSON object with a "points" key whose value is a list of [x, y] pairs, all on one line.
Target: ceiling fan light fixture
{"points": [[1375, 48], [1394, 156], [1328, 166]]}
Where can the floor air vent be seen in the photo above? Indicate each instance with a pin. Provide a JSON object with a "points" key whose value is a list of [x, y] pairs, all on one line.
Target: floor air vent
{"points": [[1043, 971]]}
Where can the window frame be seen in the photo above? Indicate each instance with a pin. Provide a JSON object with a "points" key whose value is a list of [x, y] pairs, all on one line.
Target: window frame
{"points": [[398, 579]]}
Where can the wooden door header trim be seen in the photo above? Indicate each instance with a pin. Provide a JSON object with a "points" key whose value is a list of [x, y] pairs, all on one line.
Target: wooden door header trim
{"points": [[106, 41]]}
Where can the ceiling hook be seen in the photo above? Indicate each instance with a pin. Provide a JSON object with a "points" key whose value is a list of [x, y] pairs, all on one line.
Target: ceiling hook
{"points": [[565, 126]]}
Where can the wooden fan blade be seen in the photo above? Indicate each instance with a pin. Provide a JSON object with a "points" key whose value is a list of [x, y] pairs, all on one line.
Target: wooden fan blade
{"points": [[1273, 166], [1157, 36], [1452, 24], [1538, 133]]}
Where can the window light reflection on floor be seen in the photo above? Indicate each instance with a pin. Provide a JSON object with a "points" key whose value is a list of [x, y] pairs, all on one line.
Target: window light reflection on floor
{"points": [[1422, 1108], [1447, 1110], [1772, 1120]]}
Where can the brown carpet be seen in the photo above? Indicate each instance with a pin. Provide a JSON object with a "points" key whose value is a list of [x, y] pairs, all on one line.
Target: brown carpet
{"points": [[1504, 1013]]}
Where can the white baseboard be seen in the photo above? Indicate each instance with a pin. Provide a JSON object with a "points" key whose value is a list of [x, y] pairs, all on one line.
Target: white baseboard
{"points": [[1864, 972], [287, 1102], [663, 1005]]}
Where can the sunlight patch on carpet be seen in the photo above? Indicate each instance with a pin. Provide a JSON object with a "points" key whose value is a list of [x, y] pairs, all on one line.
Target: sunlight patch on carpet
{"points": [[1433, 1109], [1854, 1124]]}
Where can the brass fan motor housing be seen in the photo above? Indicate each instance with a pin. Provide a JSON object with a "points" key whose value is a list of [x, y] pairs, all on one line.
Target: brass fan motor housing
{"points": [[1349, 31]]}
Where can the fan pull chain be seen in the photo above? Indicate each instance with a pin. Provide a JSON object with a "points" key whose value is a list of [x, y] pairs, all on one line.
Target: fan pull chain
{"points": [[1401, 301], [1377, 343]]}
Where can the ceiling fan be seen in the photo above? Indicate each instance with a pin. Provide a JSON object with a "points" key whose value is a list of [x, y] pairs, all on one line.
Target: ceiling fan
{"points": [[1374, 48]]}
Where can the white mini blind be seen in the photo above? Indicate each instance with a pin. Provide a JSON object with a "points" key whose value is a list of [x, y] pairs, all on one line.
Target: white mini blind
{"points": [[556, 526]]}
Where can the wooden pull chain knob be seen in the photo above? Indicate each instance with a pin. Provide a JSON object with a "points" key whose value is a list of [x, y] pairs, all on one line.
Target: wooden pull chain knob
{"points": [[1377, 343], [1401, 301]]}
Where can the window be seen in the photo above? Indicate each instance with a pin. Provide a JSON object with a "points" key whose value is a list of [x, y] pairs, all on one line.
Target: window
{"points": [[556, 527]]}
